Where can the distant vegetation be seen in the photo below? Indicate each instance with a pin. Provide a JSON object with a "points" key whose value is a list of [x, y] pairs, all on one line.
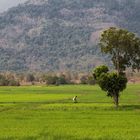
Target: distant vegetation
{"points": [[8, 81], [61, 35], [17, 79], [66, 78], [124, 50]]}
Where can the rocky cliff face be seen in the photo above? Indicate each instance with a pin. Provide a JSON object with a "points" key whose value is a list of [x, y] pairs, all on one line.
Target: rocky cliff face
{"points": [[60, 35]]}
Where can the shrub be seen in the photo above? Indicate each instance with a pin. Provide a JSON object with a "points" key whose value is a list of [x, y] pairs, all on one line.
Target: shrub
{"points": [[13, 83], [8, 82]]}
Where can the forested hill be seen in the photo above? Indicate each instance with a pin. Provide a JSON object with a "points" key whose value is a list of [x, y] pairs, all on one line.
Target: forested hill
{"points": [[61, 35]]}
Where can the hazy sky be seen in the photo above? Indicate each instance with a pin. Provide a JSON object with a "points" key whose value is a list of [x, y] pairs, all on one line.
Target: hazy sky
{"points": [[5, 4]]}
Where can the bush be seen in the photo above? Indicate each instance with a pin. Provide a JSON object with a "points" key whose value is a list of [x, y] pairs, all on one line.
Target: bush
{"points": [[8, 82], [51, 80], [30, 78], [62, 80], [84, 80], [91, 80], [87, 79], [13, 83], [56, 80]]}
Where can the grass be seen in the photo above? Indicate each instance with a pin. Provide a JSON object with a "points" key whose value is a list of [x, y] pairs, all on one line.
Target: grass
{"points": [[47, 113]]}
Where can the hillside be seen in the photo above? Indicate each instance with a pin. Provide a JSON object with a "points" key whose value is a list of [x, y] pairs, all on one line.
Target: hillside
{"points": [[61, 35]]}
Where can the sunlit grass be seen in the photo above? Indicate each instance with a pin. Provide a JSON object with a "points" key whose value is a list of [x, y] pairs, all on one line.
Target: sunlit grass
{"points": [[47, 113]]}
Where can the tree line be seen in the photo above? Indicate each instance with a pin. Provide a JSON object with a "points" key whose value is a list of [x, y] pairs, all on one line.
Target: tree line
{"points": [[17, 79]]}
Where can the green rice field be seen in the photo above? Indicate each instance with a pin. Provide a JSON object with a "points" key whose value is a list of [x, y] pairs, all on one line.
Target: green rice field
{"points": [[48, 113]]}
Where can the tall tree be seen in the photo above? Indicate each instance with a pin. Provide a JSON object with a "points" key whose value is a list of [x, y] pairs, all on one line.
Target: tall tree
{"points": [[123, 46]]}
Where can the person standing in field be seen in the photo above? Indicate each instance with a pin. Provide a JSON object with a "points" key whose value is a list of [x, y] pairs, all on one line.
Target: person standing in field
{"points": [[75, 99]]}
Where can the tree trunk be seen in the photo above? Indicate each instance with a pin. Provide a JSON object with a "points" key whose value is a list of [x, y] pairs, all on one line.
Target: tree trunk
{"points": [[116, 100], [118, 65]]}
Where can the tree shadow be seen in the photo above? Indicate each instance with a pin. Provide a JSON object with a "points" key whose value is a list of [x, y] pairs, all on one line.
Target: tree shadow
{"points": [[129, 107]]}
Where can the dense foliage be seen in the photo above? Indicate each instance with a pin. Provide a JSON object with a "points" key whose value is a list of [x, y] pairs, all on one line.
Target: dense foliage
{"points": [[123, 47], [111, 82], [61, 35], [5, 81], [56, 80]]}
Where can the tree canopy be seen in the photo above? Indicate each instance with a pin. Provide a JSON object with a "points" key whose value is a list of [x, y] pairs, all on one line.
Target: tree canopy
{"points": [[123, 46], [111, 82]]}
